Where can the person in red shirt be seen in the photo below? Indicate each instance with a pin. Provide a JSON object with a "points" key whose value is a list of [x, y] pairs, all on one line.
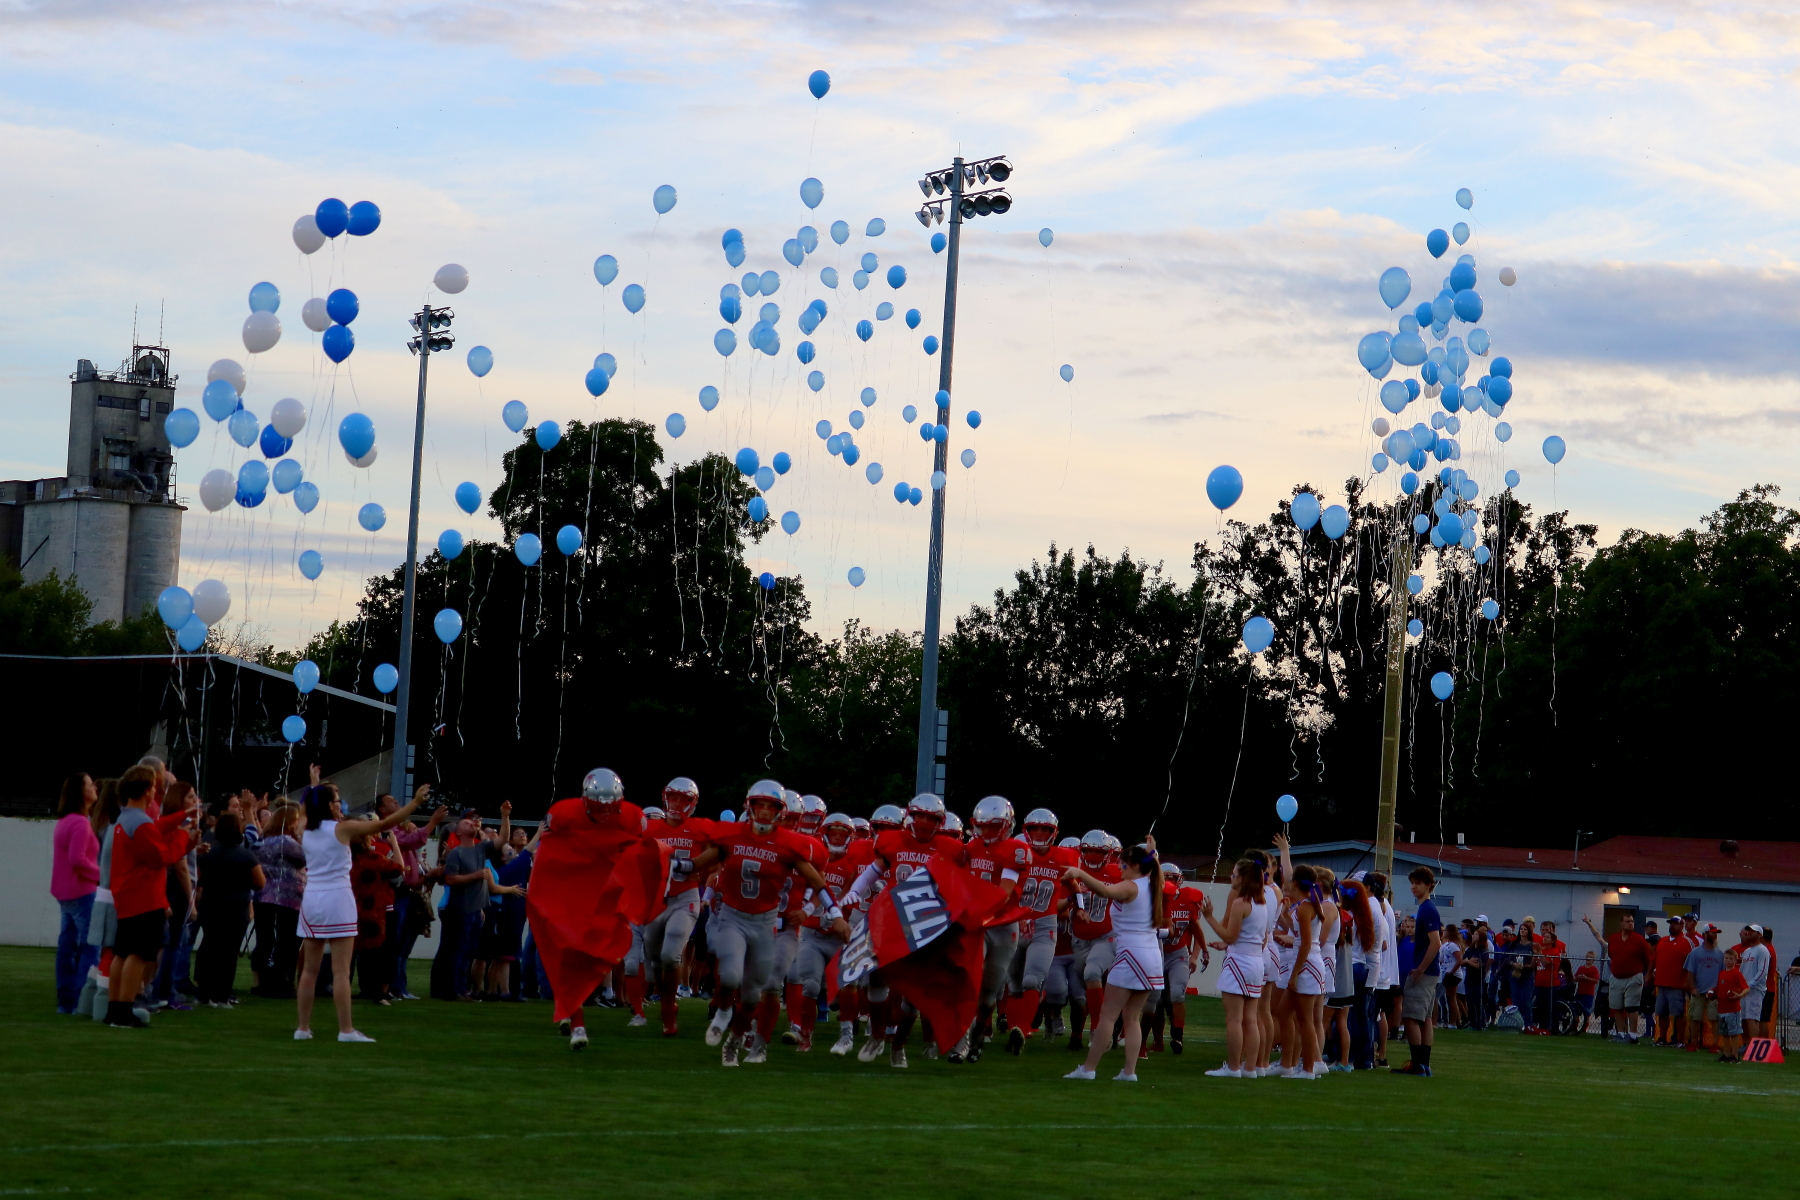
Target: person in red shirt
{"points": [[1731, 990], [1182, 950], [664, 939], [802, 815], [1090, 927], [1628, 959], [1042, 892], [845, 857], [1587, 984], [754, 858], [1671, 984], [1552, 952], [993, 855], [143, 849]]}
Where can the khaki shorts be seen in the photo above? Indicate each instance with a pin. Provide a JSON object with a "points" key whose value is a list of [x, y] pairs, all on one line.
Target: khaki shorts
{"points": [[1702, 1007], [1419, 999], [1624, 993]]}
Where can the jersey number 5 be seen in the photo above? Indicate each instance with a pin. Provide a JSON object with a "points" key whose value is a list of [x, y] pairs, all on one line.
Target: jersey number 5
{"points": [[751, 887]]}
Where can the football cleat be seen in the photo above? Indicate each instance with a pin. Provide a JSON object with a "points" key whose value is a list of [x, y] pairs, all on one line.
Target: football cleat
{"points": [[897, 1058], [638, 1021], [846, 1038], [976, 1045], [715, 1032], [1175, 1043], [871, 1050], [734, 1045], [804, 1044], [757, 1051], [578, 1038], [791, 1035], [669, 1029], [1015, 1040], [563, 1026]]}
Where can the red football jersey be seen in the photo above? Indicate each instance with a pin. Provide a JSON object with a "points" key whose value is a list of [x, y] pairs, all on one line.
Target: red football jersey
{"points": [[756, 865], [839, 874], [1041, 884], [1091, 915], [905, 853], [1183, 911], [793, 890], [994, 862], [685, 840]]}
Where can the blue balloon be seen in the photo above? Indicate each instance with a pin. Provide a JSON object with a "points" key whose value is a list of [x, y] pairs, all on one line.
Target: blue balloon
{"points": [[1479, 341], [633, 296], [448, 625], [364, 219], [1468, 306], [747, 462], [770, 283], [856, 577], [938, 242], [1305, 511], [243, 428], [481, 361], [828, 276], [549, 433], [1460, 231], [860, 279], [1465, 197], [568, 540], [1258, 633], [337, 342], [840, 233], [1554, 449], [1450, 527], [875, 228], [175, 605], [468, 497], [873, 473], [1408, 349], [790, 523], [1067, 372], [809, 238], [293, 728], [709, 397], [1414, 585], [809, 318], [450, 544], [1223, 486], [272, 444], [251, 499], [1499, 389], [940, 433], [253, 477], [927, 431], [1502, 367], [1394, 395], [1334, 521], [514, 415], [896, 276], [811, 192], [1462, 277], [342, 306], [356, 434], [1437, 241], [192, 634], [1421, 523], [370, 516], [734, 254], [219, 400], [914, 497], [662, 199], [386, 678], [1489, 609], [1482, 555], [1395, 286], [865, 329], [758, 509], [1412, 389], [606, 268], [766, 581], [908, 413], [676, 425], [265, 297], [884, 311], [311, 563], [1286, 808], [1379, 461], [1512, 479], [1409, 482], [1443, 307], [1416, 627], [818, 83], [931, 344], [815, 380], [851, 453], [306, 497], [332, 217], [306, 675], [764, 477], [528, 549], [725, 342], [868, 397], [973, 418], [1422, 314], [805, 352], [782, 462], [792, 251], [1442, 685], [913, 318], [1429, 373], [1372, 353], [901, 491], [730, 309]]}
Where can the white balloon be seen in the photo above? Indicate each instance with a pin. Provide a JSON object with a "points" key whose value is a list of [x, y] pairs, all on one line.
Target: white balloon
{"points": [[314, 315], [1381, 427], [307, 235], [218, 488], [367, 460], [212, 600], [261, 331], [229, 371], [288, 417], [1508, 276], [451, 278]]}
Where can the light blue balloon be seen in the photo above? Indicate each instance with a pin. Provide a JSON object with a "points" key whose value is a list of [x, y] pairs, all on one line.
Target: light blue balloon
{"points": [[1223, 486], [568, 540], [293, 728], [633, 296], [808, 237], [860, 280], [1305, 511], [676, 425], [752, 283], [896, 276], [549, 433], [1046, 236], [1479, 341], [1416, 627], [514, 415], [1395, 286], [1442, 685], [386, 678], [782, 462], [311, 563], [790, 523], [1067, 372], [606, 269], [1554, 449], [243, 427], [450, 544], [1408, 349], [1394, 395], [823, 429], [1450, 528], [1482, 554], [1372, 353], [771, 283], [1443, 307], [306, 496], [908, 414], [1258, 633], [815, 380], [306, 676], [286, 476], [1465, 197], [883, 311], [725, 342], [968, 458], [793, 252], [1286, 808], [448, 625], [876, 227], [192, 634], [1414, 585], [938, 242], [1460, 231], [734, 254], [528, 549], [253, 477], [481, 361], [663, 199], [1512, 479], [1334, 521], [764, 477], [856, 577], [709, 397], [175, 605], [265, 297], [758, 508], [873, 472], [370, 516], [828, 276], [182, 426], [356, 434], [809, 319], [840, 233], [1421, 523], [1379, 461]]}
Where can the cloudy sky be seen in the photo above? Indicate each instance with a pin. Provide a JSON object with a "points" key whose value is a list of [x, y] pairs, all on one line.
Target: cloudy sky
{"points": [[1225, 180]]}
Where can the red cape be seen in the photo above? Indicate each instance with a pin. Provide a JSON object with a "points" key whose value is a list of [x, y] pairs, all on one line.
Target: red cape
{"points": [[590, 883]]}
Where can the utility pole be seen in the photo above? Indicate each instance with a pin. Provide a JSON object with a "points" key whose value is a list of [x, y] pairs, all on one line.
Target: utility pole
{"points": [[427, 321], [932, 728], [1390, 721]]}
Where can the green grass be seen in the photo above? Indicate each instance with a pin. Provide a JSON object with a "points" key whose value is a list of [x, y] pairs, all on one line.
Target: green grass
{"points": [[485, 1100]]}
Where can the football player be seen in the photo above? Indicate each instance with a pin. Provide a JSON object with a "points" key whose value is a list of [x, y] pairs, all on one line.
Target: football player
{"points": [[1090, 927], [1183, 948], [664, 939], [993, 855], [1043, 893], [845, 859]]}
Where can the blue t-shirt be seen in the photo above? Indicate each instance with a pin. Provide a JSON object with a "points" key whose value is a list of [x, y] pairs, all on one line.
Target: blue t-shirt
{"points": [[1424, 925]]}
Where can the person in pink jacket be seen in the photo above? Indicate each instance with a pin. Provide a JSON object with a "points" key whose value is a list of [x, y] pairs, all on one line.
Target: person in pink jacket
{"points": [[74, 877]]}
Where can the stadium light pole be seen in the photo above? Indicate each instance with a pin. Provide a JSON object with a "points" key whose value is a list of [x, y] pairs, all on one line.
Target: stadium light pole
{"points": [[947, 189], [432, 332]]}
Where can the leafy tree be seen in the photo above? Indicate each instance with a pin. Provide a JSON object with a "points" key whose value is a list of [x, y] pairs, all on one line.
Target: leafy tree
{"points": [[52, 616]]}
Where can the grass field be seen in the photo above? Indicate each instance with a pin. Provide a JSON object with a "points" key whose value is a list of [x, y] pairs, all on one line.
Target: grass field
{"points": [[224, 1103]]}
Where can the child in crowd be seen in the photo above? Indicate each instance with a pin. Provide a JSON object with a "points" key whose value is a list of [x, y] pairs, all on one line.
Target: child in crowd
{"points": [[1731, 990], [1587, 983]]}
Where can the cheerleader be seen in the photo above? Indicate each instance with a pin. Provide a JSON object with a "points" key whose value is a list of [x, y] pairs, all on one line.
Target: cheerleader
{"points": [[1243, 933], [1137, 972], [1315, 918]]}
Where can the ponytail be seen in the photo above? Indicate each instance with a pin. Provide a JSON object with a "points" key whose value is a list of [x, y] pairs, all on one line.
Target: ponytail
{"points": [[1145, 860]]}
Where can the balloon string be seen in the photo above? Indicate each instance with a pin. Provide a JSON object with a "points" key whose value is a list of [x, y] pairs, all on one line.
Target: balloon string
{"points": [[1243, 724]]}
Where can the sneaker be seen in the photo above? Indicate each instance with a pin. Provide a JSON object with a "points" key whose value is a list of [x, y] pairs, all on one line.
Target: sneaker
{"points": [[728, 1057], [791, 1035], [670, 1029], [715, 1032], [1299, 1073], [408, 996], [212, 1004], [181, 1006], [1337, 1067], [1175, 1043], [638, 1021], [1319, 1068], [1272, 1071], [757, 1051], [931, 1051], [1411, 1068], [303, 1035], [355, 1035], [846, 1041], [897, 1058], [154, 1005], [563, 1026], [1220, 1072], [1079, 1073], [1122, 1077], [803, 1042], [958, 1052], [684, 992], [1057, 1026], [871, 1050], [1015, 1040], [578, 1038]]}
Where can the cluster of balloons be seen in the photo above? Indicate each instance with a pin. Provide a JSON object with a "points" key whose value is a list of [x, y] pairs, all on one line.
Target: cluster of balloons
{"points": [[192, 614], [334, 217]]}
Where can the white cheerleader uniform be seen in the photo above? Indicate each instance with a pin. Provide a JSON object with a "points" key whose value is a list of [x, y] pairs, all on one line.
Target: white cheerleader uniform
{"points": [[1137, 956], [1241, 971], [1317, 975], [1272, 948], [327, 906]]}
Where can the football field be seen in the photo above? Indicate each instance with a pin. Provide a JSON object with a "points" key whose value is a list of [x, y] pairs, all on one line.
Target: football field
{"points": [[485, 1100]]}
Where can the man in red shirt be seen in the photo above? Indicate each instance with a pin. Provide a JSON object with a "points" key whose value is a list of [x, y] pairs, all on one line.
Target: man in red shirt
{"points": [[844, 860], [1627, 961], [754, 858], [1090, 927], [143, 849], [1671, 985], [1552, 953], [993, 856], [1043, 893]]}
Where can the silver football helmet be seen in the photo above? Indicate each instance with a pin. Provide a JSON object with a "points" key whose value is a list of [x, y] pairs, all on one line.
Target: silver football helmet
{"points": [[654, 813], [1069, 843], [680, 797], [1171, 871], [1040, 828], [887, 817], [837, 831], [993, 818], [863, 828], [764, 804], [1096, 844], [791, 808], [812, 815], [926, 815], [953, 825], [602, 788]]}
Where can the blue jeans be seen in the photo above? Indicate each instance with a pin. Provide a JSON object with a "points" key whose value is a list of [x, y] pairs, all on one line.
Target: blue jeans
{"points": [[403, 922], [73, 954], [1524, 990], [1362, 1020], [172, 972]]}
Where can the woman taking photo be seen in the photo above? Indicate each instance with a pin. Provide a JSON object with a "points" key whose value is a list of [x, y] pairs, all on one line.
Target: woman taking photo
{"points": [[328, 907], [1137, 913], [1248, 916]]}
